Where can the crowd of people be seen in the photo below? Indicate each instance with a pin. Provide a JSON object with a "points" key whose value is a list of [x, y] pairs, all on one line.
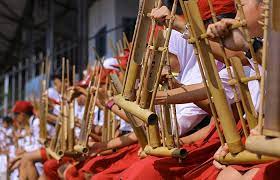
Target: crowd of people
{"points": [[117, 153]]}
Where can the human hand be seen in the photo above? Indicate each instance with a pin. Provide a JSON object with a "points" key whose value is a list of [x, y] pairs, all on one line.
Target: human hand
{"points": [[221, 152], [233, 39]]}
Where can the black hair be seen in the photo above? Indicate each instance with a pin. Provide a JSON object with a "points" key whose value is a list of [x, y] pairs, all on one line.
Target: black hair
{"points": [[169, 4], [58, 74], [8, 120], [219, 17]]}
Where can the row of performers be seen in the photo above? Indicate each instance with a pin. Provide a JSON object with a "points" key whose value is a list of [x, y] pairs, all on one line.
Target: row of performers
{"points": [[195, 124]]}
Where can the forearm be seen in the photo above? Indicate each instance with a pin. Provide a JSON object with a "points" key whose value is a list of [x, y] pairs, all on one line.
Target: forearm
{"points": [[196, 136], [52, 118], [182, 95], [218, 53], [120, 112], [122, 141]]}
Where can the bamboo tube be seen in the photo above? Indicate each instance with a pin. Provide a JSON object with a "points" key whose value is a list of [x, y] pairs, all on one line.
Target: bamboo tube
{"points": [[105, 125], [43, 105], [272, 103], [63, 112], [264, 145], [248, 106], [275, 15], [138, 46], [125, 41], [53, 154], [165, 152], [81, 149], [264, 61], [167, 127], [143, 114], [71, 133], [244, 157]]}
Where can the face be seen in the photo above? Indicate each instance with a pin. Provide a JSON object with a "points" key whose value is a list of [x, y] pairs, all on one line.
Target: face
{"points": [[81, 100], [5, 124], [57, 84], [20, 118], [253, 10]]}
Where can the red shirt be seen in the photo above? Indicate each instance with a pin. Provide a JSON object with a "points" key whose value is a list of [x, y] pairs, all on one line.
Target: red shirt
{"points": [[220, 7]]}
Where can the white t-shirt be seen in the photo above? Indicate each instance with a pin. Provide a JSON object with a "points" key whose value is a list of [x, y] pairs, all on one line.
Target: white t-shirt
{"points": [[254, 86], [189, 115], [53, 94]]}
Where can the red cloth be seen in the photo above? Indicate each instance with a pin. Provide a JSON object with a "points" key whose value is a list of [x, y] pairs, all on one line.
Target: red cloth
{"points": [[22, 107], [117, 167], [43, 154], [100, 163], [51, 166], [210, 172], [220, 7], [169, 168], [157, 29]]}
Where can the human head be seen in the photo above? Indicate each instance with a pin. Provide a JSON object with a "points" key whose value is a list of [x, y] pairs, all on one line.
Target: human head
{"points": [[253, 10], [57, 79], [22, 110], [7, 121]]}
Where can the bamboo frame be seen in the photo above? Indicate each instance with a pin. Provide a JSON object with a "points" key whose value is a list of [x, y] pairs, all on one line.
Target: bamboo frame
{"points": [[216, 90], [267, 143], [142, 106]]}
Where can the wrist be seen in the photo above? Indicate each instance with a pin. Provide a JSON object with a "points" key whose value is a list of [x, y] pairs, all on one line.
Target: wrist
{"points": [[110, 104]]}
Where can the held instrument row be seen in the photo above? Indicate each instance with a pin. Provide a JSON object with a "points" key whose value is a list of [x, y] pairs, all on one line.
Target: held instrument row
{"points": [[142, 78], [221, 110], [155, 126]]}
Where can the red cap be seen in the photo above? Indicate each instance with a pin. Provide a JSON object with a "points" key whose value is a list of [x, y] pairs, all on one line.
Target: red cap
{"points": [[105, 73], [22, 107], [220, 7], [85, 82], [123, 60]]}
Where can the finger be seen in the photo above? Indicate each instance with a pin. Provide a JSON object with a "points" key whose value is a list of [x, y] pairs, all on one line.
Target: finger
{"points": [[153, 12], [209, 32], [218, 165], [214, 31]]}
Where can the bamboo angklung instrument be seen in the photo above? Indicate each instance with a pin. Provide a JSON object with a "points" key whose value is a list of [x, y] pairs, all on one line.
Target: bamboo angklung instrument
{"points": [[268, 142], [125, 41], [216, 94], [82, 146], [142, 106], [58, 145], [71, 114], [44, 108], [43, 132]]}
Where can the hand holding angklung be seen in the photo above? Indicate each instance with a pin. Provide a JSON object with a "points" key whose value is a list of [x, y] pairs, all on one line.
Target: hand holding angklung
{"points": [[233, 39]]}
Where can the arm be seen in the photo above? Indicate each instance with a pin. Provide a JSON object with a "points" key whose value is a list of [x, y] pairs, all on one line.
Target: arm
{"points": [[119, 142], [218, 53], [197, 135], [184, 94]]}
